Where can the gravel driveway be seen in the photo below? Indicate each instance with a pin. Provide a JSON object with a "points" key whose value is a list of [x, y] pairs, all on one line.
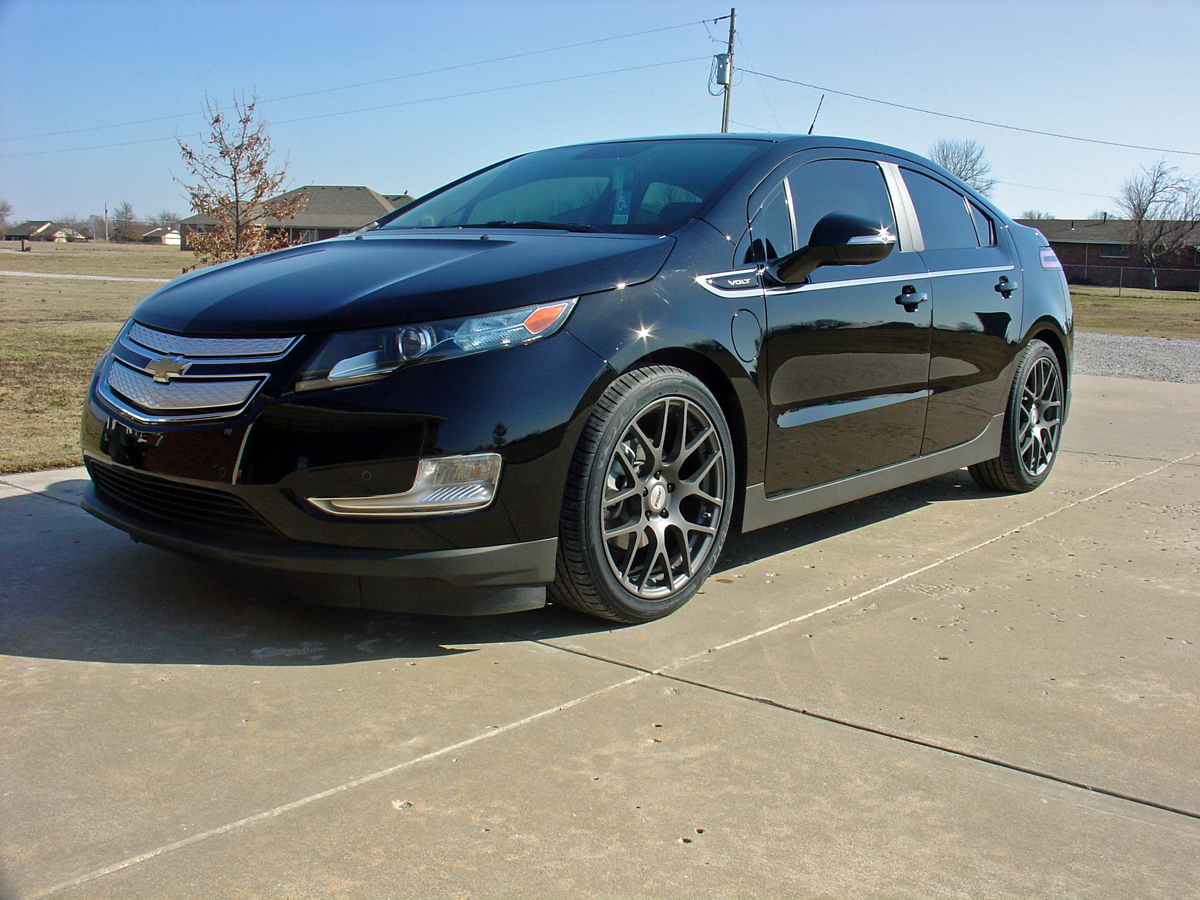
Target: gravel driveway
{"points": [[1149, 358]]}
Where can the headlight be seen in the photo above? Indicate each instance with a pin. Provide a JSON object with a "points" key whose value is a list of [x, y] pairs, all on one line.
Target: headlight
{"points": [[354, 357]]}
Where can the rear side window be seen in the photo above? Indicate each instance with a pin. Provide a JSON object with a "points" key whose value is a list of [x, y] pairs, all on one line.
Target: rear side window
{"points": [[946, 222], [839, 185], [985, 229]]}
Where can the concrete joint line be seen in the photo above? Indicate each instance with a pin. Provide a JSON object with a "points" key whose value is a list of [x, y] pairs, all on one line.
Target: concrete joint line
{"points": [[328, 792], [929, 745], [922, 569]]}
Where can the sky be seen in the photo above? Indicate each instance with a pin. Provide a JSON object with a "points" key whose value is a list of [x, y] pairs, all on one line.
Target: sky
{"points": [[403, 96]]}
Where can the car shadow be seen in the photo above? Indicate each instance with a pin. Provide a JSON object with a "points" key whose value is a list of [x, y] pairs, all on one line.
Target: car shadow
{"points": [[75, 589]]}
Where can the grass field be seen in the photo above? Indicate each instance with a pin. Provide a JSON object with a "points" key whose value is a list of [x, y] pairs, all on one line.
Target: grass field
{"points": [[53, 330]]}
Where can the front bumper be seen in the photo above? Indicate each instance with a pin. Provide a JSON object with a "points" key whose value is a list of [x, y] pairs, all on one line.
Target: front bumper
{"points": [[466, 581], [236, 490]]}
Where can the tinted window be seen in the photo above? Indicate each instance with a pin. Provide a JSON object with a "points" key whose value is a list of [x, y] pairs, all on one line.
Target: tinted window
{"points": [[945, 222], [839, 185], [771, 230], [633, 186], [985, 230]]}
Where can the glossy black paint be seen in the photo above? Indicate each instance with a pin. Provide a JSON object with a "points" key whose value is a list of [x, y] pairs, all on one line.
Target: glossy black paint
{"points": [[859, 368], [386, 278]]}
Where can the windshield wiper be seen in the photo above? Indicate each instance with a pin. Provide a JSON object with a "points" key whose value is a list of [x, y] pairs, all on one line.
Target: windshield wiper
{"points": [[555, 226]]}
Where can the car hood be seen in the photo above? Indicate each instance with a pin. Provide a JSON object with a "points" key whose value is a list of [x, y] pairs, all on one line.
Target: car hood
{"points": [[382, 279]]}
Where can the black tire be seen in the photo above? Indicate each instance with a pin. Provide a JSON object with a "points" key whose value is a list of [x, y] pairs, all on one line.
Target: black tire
{"points": [[648, 498], [1033, 424]]}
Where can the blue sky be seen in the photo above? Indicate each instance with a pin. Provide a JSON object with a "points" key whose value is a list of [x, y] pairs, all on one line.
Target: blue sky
{"points": [[1117, 72]]}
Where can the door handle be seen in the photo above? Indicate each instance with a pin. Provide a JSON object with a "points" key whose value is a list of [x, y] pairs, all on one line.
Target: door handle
{"points": [[1005, 287], [910, 299]]}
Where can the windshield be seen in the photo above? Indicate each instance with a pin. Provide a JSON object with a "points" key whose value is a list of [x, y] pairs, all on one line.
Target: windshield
{"points": [[640, 187]]}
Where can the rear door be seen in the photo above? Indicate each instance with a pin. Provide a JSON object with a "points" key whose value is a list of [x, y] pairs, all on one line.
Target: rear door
{"points": [[976, 325]]}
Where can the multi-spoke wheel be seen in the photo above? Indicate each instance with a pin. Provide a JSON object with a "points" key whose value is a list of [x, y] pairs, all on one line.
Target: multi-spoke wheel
{"points": [[648, 498], [1032, 424]]}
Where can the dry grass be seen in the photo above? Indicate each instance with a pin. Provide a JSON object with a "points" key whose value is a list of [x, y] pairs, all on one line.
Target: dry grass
{"points": [[53, 330], [1170, 314], [100, 258]]}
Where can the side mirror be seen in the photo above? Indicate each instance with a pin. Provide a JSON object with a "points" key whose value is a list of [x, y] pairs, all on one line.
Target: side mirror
{"points": [[839, 239]]}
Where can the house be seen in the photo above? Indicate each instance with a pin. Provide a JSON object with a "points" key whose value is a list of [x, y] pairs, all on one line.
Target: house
{"points": [[329, 210], [35, 230], [162, 235], [1100, 251]]}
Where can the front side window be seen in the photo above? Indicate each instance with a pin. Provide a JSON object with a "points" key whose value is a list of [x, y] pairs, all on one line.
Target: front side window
{"points": [[839, 185], [640, 187], [770, 235]]}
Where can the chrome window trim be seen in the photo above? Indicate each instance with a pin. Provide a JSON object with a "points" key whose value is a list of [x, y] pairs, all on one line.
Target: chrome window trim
{"points": [[703, 281], [907, 224]]}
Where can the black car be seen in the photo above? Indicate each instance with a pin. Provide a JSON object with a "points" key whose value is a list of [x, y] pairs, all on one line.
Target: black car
{"points": [[571, 373]]}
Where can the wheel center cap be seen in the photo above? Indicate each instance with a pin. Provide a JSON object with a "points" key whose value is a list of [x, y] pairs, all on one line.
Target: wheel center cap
{"points": [[657, 498]]}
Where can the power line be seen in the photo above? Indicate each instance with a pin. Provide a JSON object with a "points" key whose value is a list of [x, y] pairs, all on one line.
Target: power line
{"points": [[1034, 187], [930, 112], [348, 112], [347, 87]]}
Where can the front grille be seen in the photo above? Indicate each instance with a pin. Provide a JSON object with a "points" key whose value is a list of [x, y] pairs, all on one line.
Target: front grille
{"points": [[204, 347], [181, 506], [179, 396], [159, 377]]}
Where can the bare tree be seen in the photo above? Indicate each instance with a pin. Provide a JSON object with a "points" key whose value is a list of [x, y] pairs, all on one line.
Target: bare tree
{"points": [[965, 159], [73, 227], [237, 185], [166, 219], [96, 226], [1163, 208], [1036, 214], [5, 211], [125, 224]]}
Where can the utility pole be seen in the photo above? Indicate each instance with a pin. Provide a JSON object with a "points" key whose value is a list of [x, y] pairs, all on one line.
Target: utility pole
{"points": [[106, 223], [725, 70]]}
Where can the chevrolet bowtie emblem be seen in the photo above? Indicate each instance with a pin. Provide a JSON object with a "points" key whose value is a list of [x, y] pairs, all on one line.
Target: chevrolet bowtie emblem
{"points": [[167, 368]]}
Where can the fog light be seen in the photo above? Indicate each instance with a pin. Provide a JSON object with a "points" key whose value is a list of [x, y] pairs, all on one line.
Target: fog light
{"points": [[444, 486]]}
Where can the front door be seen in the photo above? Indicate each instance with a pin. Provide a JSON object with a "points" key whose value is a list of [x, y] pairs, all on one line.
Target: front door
{"points": [[847, 352]]}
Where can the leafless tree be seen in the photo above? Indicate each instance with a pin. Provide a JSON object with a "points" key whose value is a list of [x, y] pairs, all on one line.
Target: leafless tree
{"points": [[125, 224], [1163, 208], [166, 219], [965, 159], [74, 227], [236, 184], [96, 226], [1037, 214], [5, 211]]}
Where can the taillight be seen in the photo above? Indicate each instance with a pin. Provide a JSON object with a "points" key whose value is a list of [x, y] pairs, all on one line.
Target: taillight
{"points": [[1049, 259]]}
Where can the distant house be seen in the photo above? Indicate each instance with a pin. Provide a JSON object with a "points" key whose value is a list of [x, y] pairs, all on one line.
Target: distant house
{"points": [[161, 235], [1100, 251], [35, 230], [330, 210]]}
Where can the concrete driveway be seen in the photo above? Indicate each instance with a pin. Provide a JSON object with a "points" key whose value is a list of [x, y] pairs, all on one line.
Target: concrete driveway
{"points": [[938, 692]]}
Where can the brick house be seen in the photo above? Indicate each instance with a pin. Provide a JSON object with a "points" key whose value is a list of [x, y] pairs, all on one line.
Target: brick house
{"points": [[1100, 251], [330, 210]]}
